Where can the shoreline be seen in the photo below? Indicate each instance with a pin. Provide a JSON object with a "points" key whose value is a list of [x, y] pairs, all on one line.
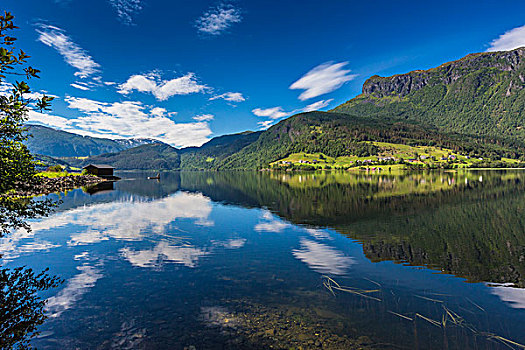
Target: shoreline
{"points": [[49, 185]]}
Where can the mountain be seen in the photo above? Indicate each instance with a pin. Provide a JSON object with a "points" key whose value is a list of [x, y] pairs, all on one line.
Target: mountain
{"points": [[216, 150], [157, 156], [473, 107], [43, 162], [338, 134], [57, 143], [482, 94]]}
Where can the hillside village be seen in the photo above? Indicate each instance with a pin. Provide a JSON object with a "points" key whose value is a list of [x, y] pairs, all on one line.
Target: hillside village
{"points": [[391, 155]]}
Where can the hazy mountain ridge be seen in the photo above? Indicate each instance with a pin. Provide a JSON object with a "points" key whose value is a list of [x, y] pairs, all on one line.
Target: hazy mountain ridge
{"points": [[57, 143], [158, 156]]}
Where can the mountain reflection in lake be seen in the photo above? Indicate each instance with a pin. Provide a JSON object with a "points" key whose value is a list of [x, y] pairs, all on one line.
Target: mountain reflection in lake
{"points": [[257, 260]]}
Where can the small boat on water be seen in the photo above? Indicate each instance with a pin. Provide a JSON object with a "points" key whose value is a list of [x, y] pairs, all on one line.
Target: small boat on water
{"points": [[154, 177]]}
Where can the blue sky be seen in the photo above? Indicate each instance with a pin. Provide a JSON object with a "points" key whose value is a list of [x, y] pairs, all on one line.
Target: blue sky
{"points": [[185, 71]]}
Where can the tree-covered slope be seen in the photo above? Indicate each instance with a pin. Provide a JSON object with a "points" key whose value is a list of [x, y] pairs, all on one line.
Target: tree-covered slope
{"points": [[155, 156], [159, 156], [57, 143], [216, 150], [481, 94], [338, 134]]}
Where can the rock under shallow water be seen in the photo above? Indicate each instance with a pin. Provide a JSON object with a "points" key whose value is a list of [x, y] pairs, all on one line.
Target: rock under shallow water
{"points": [[261, 326], [53, 185]]}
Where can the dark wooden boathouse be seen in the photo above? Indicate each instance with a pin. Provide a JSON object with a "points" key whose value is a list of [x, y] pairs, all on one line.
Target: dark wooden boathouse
{"points": [[100, 170]]}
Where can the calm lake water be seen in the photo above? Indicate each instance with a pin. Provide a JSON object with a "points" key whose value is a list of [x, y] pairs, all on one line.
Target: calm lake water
{"points": [[258, 260]]}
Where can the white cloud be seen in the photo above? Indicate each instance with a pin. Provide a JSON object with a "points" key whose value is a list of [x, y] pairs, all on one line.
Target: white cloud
{"points": [[126, 9], [132, 119], [323, 258], [158, 112], [265, 124], [217, 19], [272, 113], [316, 105], [73, 54], [6, 88], [50, 120], [87, 85], [230, 96], [128, 119], [277, 113], [80, 86], [204, 117], [162, 89], [509, 41], [322, 79]]}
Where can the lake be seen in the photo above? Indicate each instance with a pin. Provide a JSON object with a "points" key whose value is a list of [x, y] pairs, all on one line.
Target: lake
{"points": [[242, 260]]}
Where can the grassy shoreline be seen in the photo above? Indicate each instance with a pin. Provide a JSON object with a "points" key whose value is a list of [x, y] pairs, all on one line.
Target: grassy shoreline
{"points": [[55, 182], [56, 174]]}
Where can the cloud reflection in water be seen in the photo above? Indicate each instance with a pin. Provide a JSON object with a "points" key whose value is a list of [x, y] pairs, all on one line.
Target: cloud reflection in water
{"points": [[515, 297], [323, 258], [127, 220], [164, 252], [75, 288]]}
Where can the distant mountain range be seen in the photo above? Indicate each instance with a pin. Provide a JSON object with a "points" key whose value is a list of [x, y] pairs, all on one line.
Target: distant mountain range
{"points": [[159, 156], [56, 143], [475, 105]]}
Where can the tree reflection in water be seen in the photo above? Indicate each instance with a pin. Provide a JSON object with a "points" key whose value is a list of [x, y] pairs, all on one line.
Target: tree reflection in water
{"points": [[21, 307]]}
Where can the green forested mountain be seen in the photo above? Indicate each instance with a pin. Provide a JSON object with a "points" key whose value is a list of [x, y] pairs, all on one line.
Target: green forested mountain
{"points": [[474, 106], [481, 94], [337, 134], [158, 156], [215, 151], [56, 143]]}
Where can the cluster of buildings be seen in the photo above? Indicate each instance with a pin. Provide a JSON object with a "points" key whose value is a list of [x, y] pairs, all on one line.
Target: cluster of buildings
{"points": [[286, 162], [415, 159]]}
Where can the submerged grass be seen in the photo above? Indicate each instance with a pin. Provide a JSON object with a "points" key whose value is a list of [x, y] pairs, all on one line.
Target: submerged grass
{"points": [[402, 316], [429, 320], [332, 285], [429, 299], [449, 318]]}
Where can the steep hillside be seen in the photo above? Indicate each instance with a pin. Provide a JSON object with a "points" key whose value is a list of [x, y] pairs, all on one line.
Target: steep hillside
{"points": [[56, 143], [43, 162], [159, 156], [216, 150], [337, 134], [481, 94], [155, 156]]}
